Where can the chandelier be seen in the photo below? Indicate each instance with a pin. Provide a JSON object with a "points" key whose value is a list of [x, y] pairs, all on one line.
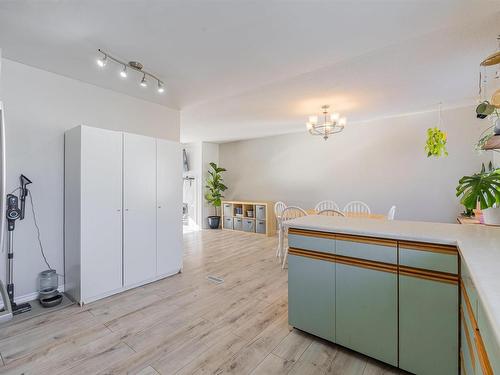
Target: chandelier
{"points": [[331, 124]]}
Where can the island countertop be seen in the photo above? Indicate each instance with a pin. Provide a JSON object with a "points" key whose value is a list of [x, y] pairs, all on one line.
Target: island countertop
{"points": [[479, 246]]}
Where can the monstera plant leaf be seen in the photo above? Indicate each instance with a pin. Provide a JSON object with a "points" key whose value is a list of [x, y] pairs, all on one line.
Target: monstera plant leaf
{"points": [[483, 187]]}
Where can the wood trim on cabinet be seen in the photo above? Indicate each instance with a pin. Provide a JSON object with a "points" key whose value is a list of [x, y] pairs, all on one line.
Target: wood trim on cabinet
{"points": [[423, 246], [379, 266], [468, 305], [468, 339], [429, 275], [311, 233], [483, 355], [367, 240], [462, 363]]}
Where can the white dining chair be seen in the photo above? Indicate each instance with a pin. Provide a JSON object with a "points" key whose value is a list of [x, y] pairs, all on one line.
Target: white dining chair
{"points": [[357, 207], [326, 205], [279, 207], [331, 212], [289, 213], [391, 213]]}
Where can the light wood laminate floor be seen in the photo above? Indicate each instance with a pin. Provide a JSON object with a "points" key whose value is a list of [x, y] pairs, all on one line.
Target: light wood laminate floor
{"points": [[185, 324]]}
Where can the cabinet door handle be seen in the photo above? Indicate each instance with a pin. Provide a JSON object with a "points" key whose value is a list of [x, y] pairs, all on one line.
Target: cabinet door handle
{"points": [[118, 210], [159, 206]]}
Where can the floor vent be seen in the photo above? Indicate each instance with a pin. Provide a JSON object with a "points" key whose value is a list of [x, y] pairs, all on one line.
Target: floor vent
{"points": [[215, 279]]}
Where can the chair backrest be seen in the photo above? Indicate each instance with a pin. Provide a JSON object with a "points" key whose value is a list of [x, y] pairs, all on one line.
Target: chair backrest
{"points": [[326, 205], [278, 209], [357, 207], [392, 213], [331, 212], [292, 212]]}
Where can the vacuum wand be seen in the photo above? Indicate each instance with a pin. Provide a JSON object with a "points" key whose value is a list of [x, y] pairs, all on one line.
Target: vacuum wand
{"points": [[24, 181]]}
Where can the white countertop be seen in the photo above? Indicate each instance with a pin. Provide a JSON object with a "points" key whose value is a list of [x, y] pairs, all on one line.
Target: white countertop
{"points": [[479, 246]]}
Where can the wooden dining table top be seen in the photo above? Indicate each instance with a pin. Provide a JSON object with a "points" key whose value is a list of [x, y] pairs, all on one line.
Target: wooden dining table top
{"points": [[312, 211]]}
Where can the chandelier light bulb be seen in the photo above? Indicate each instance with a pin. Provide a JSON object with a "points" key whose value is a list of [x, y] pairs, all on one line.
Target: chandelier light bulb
{"points": [[343, 121], [313, 119], [144, 83], [123, 73], [309, 126], [335, 116]]}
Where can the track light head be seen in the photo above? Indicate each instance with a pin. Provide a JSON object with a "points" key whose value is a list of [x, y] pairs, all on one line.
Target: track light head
{"points": [[144, 83], [101, 62], [160, 89], [123, 73]]}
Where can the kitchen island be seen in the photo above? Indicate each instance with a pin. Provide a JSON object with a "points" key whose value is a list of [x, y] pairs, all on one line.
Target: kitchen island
{"points": [[424, 297]]}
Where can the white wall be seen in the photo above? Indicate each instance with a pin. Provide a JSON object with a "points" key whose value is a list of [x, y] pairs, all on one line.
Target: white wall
{"points": [[381, 162], [209, 154], [39, 107]]}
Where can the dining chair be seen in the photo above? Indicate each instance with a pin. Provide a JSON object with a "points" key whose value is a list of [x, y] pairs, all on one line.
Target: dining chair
{"points": [[326, 205], [331, 212], [357, 207], [279, 207], [289, 213], [392, 213]]}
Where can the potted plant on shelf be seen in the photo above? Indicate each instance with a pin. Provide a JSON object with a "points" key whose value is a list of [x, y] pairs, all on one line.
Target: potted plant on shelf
{"points": [[215, 187], [482, 189]]}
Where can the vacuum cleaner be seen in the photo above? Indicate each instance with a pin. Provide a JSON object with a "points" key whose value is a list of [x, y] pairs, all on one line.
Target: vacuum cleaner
{"points": [[15, 213]]}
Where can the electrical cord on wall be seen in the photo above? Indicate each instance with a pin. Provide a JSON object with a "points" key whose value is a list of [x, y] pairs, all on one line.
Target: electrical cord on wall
{"points": [[38, 230]]}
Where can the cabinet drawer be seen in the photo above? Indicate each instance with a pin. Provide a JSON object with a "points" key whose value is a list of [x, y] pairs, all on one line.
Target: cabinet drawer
{"points": [[367, 248], [249, 225], [325, 245], [261, 212], [260, 226], [430, 257], [228, 209], [238, 223], [228, 223]]}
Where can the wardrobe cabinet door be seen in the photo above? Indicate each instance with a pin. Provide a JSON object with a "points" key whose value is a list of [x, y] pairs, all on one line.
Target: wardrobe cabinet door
{"points": [[169, 207], [101, 212], [139, 199]]}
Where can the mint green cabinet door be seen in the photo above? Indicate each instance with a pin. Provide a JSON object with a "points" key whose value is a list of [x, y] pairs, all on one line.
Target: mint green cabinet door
{"points": [[311, 296], [366, 311], [428, 326]]}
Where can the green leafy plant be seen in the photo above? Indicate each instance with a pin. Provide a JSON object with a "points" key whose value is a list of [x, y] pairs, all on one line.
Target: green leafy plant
{"points": [[215, 186], [482, 187], [436, 143]]}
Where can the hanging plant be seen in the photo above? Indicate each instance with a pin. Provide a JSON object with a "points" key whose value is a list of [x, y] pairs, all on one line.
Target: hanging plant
{"points": [[436, 140], [436, 143]]}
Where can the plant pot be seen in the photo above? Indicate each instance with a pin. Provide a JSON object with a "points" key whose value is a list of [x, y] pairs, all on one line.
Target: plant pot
{"points": [[491, 216], [214, 222]]}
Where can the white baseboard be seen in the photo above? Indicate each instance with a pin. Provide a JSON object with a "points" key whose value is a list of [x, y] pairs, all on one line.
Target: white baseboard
{"points": [[29, 297]]}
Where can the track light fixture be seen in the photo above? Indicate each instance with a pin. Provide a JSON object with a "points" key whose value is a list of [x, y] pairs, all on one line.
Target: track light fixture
{"points": [[144, 83], [161, 89], [133, 65], [123, 73]]}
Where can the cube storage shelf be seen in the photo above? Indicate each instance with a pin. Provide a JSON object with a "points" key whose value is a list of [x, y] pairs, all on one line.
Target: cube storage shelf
{"points": [[249, 216]]}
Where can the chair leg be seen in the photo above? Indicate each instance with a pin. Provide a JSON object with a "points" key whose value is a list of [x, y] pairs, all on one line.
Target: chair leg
{"points": [[284, 258], [280, 240]]}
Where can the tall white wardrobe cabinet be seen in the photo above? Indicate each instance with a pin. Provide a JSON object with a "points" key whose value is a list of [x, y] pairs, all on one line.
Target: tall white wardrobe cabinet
{"points": [[123, 211]]}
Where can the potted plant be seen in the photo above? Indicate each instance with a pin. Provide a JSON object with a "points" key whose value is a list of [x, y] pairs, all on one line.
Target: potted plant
{"points": [[482, 189], [436, 143], [215, 187]]}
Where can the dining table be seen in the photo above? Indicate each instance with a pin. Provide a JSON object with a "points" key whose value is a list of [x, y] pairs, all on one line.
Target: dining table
{"points": [[312, 211]]}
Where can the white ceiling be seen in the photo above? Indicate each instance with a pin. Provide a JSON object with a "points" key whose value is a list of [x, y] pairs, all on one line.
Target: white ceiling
{"points": [[241, 69]]}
